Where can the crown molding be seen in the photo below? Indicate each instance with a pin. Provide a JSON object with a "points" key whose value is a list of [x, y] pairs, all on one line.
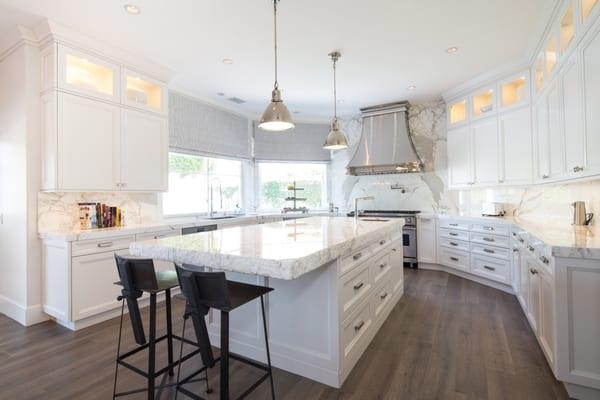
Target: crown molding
{"points": [[14, 38]]}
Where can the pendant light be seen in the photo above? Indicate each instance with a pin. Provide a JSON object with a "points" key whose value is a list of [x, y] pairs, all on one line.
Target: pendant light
{"points": [[336, 140], [276, 117]]}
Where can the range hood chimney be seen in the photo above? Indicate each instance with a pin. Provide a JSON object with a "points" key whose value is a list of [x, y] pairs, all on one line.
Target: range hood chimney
{"points": [[385, 146]]}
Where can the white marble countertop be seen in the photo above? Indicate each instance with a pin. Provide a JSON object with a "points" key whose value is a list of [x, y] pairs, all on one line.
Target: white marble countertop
{"points": [[282, 250], [71, 235], [566, 240]]}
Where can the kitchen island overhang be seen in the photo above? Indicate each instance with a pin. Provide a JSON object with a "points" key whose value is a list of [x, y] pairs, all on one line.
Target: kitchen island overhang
{"points": [[336, 279]]}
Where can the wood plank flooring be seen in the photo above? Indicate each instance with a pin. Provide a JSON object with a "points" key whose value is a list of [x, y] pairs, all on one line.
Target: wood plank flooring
{"points": [[448, 338]]}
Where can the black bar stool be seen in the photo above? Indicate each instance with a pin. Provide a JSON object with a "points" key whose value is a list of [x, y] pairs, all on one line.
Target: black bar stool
{"points": [[205, 290], [138, 276]]}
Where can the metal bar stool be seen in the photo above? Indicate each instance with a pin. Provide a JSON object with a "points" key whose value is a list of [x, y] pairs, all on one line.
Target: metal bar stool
{"points": [[138, 276], [205, 290]]}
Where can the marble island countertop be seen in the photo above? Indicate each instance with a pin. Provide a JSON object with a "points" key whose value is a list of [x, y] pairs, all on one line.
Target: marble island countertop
{"points": [[282, 250], [566, 240]]}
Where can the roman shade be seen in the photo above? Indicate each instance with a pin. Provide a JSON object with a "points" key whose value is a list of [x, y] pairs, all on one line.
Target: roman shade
{"points": [[303, 143], [197, 127]]}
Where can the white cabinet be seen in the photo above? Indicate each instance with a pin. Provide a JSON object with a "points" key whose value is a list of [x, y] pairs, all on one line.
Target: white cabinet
{"points": [[88, 144], [460, 168], [397, 264], [533, 302], [547, 320], [515, 147], [143, 92], [573, 116], [485, 152], [591, 77], [426, 240], [523, 278], [540, 112], [556, 137], [144, 151]]}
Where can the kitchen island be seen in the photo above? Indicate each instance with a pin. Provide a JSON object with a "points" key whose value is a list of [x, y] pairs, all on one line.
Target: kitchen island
{"points": [[336, 280]]}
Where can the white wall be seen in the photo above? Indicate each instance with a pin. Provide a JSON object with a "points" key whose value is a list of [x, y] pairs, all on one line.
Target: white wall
{"points": [[20, 175]]}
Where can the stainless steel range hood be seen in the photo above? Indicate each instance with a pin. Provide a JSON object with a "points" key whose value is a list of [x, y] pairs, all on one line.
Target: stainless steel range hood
{"points": [[385, 146]]}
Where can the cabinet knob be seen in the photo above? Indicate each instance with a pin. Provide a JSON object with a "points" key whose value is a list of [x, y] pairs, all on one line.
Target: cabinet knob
{"points": [[577, 169], [383, 296], [533, 271], [544, 260], [357, 256], [545, 176]]}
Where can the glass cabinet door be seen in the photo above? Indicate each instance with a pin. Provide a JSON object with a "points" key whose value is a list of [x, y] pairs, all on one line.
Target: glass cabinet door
{"points": [[538, 71], [567, 28], [514, 92], [551, 55], [587, 6], [81, 72], [143, 92], [483, 102], [457, 112]]}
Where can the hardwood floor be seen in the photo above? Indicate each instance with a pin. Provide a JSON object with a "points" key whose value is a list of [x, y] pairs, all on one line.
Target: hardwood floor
{"points": [[448, 338]]}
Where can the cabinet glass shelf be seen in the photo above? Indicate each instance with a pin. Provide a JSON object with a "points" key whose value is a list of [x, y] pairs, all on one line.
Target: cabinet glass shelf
{"points": [[567, 28], [587, 6], [87, 75], [483, 103], [458, 112], [513, 92], [143, 92]]}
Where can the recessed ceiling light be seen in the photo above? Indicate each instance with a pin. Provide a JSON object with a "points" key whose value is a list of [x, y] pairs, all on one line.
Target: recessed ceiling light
{"points": [[451, 50], [228, 61], [411, 87], [132, 9]]}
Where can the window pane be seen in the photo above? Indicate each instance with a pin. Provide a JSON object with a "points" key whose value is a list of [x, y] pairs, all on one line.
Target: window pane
{"points": [[188, 185], [276, 177]]}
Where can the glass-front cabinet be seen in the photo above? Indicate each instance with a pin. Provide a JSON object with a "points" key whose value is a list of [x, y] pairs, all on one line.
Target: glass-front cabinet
{"points": [[86, 74], [483, 102], [538, 72], [587, 6], [457, 112], [514, 91], [551, 55], [567, 28], [143, 92]]}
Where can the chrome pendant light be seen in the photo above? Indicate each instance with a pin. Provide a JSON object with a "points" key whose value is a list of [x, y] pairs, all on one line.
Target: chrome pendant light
{"points": [[336, 140], [276, 117]]}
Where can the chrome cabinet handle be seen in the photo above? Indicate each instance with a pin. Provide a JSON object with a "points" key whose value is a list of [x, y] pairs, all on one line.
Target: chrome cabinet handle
{"points": [[514, 234], [521, 240], [159, 236], [453, 224], [454, 259], [488, 228], [105, 244], [382, 265], [533, 271], [382, 242], [515, 249], [453, 244], [358, 285], [394, 250], [453, 234], [383, 296], [489, 268], [544, 260], [489, 239], [360, 325], [577, 169], [545, 176], [531, 248], [357, 256], [489, 251]]}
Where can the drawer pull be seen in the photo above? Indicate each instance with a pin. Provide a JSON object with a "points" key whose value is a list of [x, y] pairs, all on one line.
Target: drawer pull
{"points": [[488, 228], [383, 296], [545, 260], [357, 256], [533, 271], [382, 242], [515, 249], [359, 326], [358, 285], [489, 239], [105, 244], [531, 248], [453, 244], [159, 236], [489, 251], [521, 240], [394, 250], [382, 265], [489, 268], [453, 234], [454, 259], [453, 224], [514, 234]]}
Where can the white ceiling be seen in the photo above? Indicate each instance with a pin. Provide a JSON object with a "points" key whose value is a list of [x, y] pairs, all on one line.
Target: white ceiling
{"points": [[386, 45]]}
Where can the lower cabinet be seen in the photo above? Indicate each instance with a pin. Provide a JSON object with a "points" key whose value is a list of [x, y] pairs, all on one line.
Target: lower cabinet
{"points": [[547, 314], [426, 240], [491, 268], [533, 303]]}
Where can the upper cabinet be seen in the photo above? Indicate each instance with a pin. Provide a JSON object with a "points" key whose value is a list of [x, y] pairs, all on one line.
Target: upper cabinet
{"points": [[143, 92], [457, 112], [587, 7], [538, 72], [590, 55], [551, 55], [514, 92], [567, 28], [484, 102]]}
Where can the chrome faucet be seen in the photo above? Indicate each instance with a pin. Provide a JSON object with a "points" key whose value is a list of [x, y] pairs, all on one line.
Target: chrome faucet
{"points": [[356, 200]]}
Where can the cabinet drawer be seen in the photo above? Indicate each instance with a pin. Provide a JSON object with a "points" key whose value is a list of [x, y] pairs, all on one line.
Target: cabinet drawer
{"points": [[349, 262], [491, 268], [158, 234], [492, 240], [455, 259], [355, 328], [496, 229], [381, 269], [454, 234], [354, 287], [453, 224], [380, 244], [85, 247], [454, 244], [490, 251], [380, 300]]}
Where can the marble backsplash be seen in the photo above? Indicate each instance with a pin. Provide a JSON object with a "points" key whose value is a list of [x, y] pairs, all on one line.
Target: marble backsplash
{"points": [[60, 210]]}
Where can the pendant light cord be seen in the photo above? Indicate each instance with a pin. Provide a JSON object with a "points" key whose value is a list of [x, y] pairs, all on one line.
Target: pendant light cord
{"points": [[334, 91], [275, 35]]}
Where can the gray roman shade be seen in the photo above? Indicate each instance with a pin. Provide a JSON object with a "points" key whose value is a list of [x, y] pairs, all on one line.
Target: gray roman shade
{"points": [[303, 143], [197, 127]]}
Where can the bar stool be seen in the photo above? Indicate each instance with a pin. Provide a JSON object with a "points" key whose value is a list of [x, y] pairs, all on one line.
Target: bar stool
{"points": [[138, 276], [205, 290]]}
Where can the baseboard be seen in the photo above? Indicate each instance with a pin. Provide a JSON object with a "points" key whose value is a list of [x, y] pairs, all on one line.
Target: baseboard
{"points": [[25, 316], [471, 277], [581, 392]]}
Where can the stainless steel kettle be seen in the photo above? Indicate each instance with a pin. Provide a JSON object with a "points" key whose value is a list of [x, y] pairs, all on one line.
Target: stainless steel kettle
{"points": [[580, 217]]}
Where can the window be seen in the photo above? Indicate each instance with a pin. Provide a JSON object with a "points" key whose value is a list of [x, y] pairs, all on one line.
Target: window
{"points": [[274, 179], [192, 180]]}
